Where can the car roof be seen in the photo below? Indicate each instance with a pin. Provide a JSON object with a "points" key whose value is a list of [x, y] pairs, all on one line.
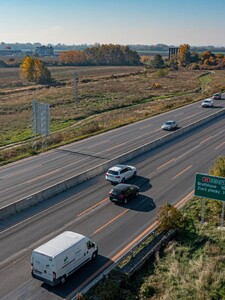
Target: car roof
{"points": [[122, 186], [118, 167], [207, 99], [170, 121]]}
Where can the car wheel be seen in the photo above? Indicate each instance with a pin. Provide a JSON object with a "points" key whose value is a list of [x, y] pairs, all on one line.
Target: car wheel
{"points": [[94, 255], [125, 201], [123, 180], [63, 279]]}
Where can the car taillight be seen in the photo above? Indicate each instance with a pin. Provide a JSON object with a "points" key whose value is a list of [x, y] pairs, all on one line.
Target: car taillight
{"points": [[121, 196], [54, 275]]}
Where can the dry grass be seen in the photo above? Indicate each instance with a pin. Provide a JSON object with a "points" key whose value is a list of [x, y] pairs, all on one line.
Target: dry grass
{"points": [[185, 275], [110, 96]]}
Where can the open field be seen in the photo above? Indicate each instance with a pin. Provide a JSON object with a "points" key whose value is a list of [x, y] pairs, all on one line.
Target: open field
{"points": [[108, 97]]}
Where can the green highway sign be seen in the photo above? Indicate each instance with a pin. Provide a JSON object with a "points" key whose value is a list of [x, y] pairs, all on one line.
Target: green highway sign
{"points": [[208, 186]]}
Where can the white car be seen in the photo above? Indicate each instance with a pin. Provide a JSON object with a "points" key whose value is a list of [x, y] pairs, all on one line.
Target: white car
{"points": [[169, 125], [120, 173], [207, 102]]}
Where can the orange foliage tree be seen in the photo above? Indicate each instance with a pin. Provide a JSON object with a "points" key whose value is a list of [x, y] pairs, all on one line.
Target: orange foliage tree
{"points": [[33, 69], [77, 57], [184, 54]]}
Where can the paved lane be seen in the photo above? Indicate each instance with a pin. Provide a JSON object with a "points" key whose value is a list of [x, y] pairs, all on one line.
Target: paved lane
{"points": [[165, 174], [31, 175]]}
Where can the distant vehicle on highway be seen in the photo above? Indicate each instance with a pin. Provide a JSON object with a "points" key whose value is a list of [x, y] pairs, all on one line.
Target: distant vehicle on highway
{"points": [[207, 102], [217, 96], [123, 192], [120, 173], [170, 125], [56, 259]]}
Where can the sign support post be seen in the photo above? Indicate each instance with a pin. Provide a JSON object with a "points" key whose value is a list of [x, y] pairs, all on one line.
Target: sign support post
{"points": [[203, 211], [222, 216]]}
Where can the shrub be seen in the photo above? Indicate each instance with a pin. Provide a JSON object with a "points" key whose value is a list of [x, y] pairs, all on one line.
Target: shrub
{"points": [[156, 85], [170, 217], [161, 73]]}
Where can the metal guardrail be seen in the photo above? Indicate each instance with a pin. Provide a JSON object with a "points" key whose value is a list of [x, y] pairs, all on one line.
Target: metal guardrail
{"points": [[163, 239]]}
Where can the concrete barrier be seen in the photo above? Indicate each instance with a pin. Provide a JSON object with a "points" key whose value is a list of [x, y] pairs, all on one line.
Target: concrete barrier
{"points": [[8, 210], [28, 201], [101, 168], [54, 190]]}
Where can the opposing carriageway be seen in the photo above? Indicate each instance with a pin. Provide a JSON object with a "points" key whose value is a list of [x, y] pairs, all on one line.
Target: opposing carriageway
{"points": [[13, 207]]}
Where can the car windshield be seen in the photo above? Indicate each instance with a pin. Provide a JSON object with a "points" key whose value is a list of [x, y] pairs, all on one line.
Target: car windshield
{"points": [[116, 192], [169, 123]]}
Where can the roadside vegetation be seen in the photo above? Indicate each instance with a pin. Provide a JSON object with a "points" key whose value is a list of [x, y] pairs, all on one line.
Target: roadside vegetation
{"points": [[109, 97], [116, 87], [191, 266]]}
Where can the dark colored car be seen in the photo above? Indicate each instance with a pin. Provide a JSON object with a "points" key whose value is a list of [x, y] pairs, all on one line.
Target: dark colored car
{"points": [[123, 192], [217, 96]]}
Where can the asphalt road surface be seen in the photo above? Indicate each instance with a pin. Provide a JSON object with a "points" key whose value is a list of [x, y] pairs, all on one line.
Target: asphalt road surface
{"points": [[23, 178], [166, 174]]}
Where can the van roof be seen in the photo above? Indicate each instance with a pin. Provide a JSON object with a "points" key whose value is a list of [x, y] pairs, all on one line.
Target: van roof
{"points": [[59, 243]]}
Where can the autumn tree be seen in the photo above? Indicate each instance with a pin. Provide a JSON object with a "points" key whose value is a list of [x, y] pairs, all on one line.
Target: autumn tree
{"points": [[184, 55], [170, 217], [145, 59], [72, 57], [206, 55], [114, 55], [218, 169], [41, 73], [33, 69]]}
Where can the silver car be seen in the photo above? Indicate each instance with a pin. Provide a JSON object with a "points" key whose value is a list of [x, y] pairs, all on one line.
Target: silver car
{"points": [[207, 102], [170, 125]]}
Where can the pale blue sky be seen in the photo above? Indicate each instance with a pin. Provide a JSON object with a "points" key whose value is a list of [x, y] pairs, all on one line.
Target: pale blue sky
{"points": [[172, 22]]}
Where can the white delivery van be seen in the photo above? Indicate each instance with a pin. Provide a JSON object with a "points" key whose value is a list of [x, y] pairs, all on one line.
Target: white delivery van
{"points": [[55, 260]]}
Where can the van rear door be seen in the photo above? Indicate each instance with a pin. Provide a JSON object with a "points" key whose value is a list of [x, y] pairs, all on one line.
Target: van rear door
{"points": [[42, 266]]}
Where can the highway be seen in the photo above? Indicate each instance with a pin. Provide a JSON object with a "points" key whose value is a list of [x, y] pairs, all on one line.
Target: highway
{"points": [[165, 174], [23, 178]]}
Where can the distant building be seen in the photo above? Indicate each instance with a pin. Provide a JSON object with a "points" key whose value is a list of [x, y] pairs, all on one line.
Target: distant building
{"points": [[173, 52], [44, 51]]}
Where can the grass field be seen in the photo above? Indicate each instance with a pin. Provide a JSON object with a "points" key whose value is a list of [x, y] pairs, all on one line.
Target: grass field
{"points": [[108, 97]]}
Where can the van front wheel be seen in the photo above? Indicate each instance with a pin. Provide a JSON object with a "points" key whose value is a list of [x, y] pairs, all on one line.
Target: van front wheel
{"points": [[94, 255]]}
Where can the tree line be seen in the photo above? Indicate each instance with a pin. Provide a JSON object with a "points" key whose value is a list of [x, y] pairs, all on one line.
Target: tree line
{"points": [[33, 69], [104, 55], [188, 59]]}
